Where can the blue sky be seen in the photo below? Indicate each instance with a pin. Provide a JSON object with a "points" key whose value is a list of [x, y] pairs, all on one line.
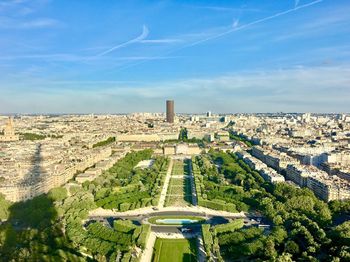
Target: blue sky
{"points": [[129, 56]]}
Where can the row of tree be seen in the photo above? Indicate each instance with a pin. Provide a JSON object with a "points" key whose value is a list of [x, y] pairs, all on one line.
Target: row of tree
{"points": [[304, 228], [50, 227], [124, 187]]}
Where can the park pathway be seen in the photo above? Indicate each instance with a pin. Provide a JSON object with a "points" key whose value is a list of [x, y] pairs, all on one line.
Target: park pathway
{"points": [[166, 185], [148, 251], [201, 211], [201, 251]]}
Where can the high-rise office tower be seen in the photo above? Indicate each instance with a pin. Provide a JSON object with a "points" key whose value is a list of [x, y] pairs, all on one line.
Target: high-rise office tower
{"points": [[170, 114]]}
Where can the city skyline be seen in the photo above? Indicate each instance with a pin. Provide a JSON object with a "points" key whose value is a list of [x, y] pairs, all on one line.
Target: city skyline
{"points": [[175, 130], [231, 56]]}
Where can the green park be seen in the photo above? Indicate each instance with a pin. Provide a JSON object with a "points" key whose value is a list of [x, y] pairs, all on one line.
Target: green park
{"points": [[57, 226]]}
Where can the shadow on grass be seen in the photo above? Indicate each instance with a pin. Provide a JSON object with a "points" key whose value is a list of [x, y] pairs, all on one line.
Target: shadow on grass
{"points": [[187, 182], [191, 257], [187, 191], [33, 233]]}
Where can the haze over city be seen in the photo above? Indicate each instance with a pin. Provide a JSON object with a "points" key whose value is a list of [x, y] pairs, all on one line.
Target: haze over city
{"points": [[129, 56]]}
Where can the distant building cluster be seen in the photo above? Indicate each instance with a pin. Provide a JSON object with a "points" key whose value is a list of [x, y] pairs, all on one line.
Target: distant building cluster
{"points": [[310, 150], [326, 187], [268, 173], [306, 150], [104, 164], [39, 167], [67, 150], [181, 149]]}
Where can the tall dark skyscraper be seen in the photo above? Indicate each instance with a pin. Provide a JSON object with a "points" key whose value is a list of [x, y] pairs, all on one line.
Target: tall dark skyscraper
{"points": [[170, 113]]}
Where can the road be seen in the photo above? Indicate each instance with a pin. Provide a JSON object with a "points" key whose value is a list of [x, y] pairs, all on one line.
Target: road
{"points": [[142, 219], [212, 216], [100, 212], [175, 229]]}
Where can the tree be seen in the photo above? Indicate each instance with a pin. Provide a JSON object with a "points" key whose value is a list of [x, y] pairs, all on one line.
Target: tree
{"points": [[4, 207], [58, 193], [285, 257], [183, 135], [341, 233], [270, 251], [292, 247], [339, 207], [279, 234]]}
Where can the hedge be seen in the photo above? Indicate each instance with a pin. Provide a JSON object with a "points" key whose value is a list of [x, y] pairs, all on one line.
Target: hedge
{"points": [[136, 233], [124, 207], [146, 230], [207, 238], [217, 204], [126, 257], [229, 227], [155, 200], [124, 226]]}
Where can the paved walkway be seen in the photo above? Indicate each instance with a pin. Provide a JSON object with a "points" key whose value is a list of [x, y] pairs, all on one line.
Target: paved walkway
{"points": [[201, 250], [180, 176], [148, 251], [179, 195], [166, 185], [100, 212]]}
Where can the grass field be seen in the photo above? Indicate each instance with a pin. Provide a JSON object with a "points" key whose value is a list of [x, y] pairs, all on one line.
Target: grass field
{"points": [[175, 250], [179, 191], [178, 168]]}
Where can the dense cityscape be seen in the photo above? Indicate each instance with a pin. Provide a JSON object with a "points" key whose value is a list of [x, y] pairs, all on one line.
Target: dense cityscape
{"points": [[213, 186]]}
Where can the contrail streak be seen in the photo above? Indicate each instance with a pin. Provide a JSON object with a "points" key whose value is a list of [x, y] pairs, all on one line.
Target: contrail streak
{"points": [[296, 8], [254, 23], [141, 37], [235, 23]]}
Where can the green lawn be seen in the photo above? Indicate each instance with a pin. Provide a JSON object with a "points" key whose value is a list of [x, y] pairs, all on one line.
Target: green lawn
{"points": [[175, 250], [179, 191], [176, 182], [178, 168]]}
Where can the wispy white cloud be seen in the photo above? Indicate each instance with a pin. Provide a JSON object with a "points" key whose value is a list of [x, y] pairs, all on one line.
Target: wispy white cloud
{"points": [[235, 23], [315, 89], [225, 8], [79, 58], [324, 23], [15, 14], [161, 41], [10, 23], [15, 8], [39, 23], [53, 57]]}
